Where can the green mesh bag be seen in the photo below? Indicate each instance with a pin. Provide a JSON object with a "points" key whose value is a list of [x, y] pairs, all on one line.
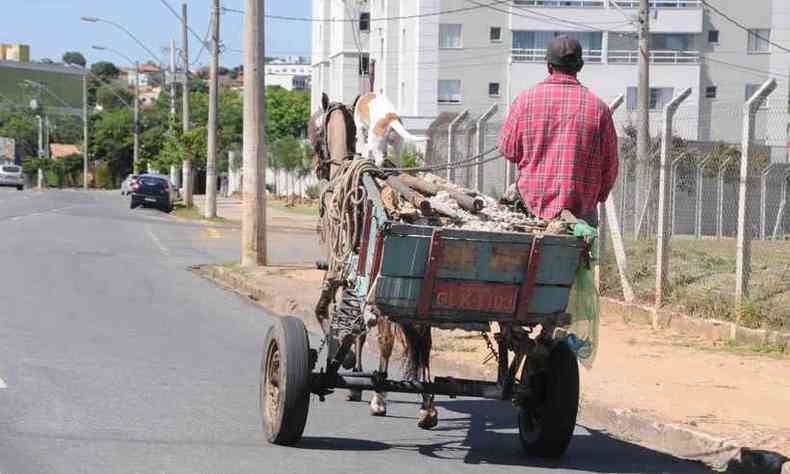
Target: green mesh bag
{"points": [[583, 301]]}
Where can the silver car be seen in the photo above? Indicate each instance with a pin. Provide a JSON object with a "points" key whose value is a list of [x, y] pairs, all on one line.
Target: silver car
{"points": [[11, 175], [126, 186]]}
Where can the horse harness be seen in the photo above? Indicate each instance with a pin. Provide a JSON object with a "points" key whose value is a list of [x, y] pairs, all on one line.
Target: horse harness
{"points": [[322, 149]]}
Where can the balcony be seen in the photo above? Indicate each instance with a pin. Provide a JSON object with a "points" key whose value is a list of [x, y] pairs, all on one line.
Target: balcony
{"points": [[602, 3], [521, 55], [656, 57], [660, 3], [561, 3]]}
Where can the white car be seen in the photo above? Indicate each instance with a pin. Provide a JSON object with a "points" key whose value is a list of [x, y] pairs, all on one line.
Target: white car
{"points": [[11, 175], [126, 186]]}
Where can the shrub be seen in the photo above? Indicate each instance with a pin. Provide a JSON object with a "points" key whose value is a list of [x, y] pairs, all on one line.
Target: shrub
{"points": [[313, 191]]}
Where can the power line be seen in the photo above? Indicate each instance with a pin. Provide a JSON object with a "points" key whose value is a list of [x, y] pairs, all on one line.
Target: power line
{"points": [[176, 14], [372, 20], [743, 27]]}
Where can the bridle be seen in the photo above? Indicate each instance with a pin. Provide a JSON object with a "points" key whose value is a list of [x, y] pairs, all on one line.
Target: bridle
{"points": [[322, 143]]}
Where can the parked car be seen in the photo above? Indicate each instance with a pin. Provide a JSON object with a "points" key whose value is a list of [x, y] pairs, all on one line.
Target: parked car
{"points": [[152, 190], [11, 175], [126, 185]]}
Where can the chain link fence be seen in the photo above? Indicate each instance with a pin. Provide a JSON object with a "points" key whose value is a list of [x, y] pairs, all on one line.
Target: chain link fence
{"points": [[726, 259]]}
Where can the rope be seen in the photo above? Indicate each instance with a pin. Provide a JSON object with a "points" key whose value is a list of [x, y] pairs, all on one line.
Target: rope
{"points": [[465, 163], [342, 213]]}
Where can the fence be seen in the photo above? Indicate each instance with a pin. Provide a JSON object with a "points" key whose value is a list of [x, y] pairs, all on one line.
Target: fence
{"points": [[686, 214]]}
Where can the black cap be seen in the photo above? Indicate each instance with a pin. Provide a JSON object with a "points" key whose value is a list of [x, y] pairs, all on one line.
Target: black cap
{"points": [[565, 51]]}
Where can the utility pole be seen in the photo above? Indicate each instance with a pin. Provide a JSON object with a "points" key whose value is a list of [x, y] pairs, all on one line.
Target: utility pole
{"points": [[136, 159], [172, 77], [185, 63], [186, 174], [643, 177], [253, 223], [85, 129], [213, 105]]}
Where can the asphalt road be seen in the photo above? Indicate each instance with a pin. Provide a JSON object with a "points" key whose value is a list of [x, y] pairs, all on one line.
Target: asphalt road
{"points": [[115, 358]]}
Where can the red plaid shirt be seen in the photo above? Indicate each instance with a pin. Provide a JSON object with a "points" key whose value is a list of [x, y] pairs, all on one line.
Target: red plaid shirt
{"points": [[564, 142]]}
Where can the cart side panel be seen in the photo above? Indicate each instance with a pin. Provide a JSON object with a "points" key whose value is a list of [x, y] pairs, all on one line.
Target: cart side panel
{"points": [[458, 301], [406, 256]]}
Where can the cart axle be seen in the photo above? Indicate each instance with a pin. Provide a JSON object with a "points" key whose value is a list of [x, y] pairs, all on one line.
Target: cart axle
{"points": [[448, 386]]}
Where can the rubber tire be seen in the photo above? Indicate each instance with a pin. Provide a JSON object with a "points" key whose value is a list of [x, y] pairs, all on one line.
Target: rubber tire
{"points": [[167, 209], [133, 204], [289, 335], [557, 390], [20, 188]]}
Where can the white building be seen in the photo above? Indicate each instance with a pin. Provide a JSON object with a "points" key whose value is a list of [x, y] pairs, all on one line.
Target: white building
{"points": [[470, 57], [289, 75]]}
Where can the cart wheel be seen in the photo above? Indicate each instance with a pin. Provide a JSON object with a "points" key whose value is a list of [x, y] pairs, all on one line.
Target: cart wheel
{"points": [[285, 381], [546, 424]]}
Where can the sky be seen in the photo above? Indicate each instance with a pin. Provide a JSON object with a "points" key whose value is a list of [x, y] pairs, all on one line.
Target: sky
{"points": [[52, 27]]}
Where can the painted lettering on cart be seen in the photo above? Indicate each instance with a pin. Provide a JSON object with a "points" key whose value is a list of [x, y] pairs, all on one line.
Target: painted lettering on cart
{"points": [[475, 296]]}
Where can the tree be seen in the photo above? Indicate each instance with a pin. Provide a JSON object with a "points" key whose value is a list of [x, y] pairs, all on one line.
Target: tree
{"points": [[109, 97], [105, 70], [113, 141], [287, 113], [74, 57], [23, 128]]}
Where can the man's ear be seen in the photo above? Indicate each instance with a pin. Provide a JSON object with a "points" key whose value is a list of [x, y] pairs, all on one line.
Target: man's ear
{"points": [[324, 101]]}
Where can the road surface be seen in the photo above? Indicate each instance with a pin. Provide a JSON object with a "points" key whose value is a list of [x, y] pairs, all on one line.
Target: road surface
{"points": [[114, 358]]}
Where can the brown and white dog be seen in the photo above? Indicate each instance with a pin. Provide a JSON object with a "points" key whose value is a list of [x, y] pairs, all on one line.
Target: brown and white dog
{"points": [[376, 119]]}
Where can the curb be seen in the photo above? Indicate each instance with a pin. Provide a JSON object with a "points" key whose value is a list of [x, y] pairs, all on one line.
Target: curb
{"points": [[673, 439]]}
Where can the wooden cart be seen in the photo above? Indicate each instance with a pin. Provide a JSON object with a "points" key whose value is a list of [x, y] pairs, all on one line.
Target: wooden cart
{"points": [[454, 278]]}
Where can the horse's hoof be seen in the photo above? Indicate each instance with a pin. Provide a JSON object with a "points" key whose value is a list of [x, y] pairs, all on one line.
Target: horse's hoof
{"points": [[354, 396], [428, 419], [378, 405]]}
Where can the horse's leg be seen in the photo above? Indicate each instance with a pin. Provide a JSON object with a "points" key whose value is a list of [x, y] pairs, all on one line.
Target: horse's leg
{"points": [[355, 395], [386, 339], [428, 416]]}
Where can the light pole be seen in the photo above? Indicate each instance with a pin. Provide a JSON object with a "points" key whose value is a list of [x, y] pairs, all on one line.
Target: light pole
{"points": [[136, 158], [93, 19]]}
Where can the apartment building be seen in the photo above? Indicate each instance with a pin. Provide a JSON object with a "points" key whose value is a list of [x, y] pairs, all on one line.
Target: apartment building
{"points": [[468, 57], [15, 52]]}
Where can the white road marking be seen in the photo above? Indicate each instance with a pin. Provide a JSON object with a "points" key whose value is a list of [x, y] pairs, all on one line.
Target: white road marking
{"points": [[156, 240], [2, 383]]}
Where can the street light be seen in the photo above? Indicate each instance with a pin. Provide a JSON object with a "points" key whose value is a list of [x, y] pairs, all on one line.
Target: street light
{"points": [[93, 19], [136, 158]]}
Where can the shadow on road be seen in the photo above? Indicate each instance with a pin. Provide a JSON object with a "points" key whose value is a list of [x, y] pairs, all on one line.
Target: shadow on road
{"points": [[487, 433]]}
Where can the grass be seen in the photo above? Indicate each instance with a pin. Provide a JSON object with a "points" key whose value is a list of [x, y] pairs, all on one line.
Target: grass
{"points": [[702, 279], [195, 214], [303, 209]]}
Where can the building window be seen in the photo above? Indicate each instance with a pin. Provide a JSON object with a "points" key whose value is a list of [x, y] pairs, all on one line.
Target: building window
{"points": [[759, 39], [496, 34], [450, 91], [449, 36], [659, 97], [713, 36], [493, 89], [710, 92], [364, 64], [364, 21]]}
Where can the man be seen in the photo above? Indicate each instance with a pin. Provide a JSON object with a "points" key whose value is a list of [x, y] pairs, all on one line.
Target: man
{"points": [[563, 140]]}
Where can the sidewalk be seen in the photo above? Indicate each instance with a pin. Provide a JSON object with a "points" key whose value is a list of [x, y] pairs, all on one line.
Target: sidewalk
{"points": [[231, 209], [665, 380]]}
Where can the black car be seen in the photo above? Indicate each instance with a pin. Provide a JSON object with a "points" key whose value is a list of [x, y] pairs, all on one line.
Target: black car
{"points": [[152, 190]]}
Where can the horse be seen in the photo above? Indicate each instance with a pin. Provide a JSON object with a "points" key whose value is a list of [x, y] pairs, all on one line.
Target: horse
{"points": [[333, 134]]}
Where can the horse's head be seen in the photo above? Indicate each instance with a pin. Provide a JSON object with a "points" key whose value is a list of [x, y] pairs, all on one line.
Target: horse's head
{"points": [[332, 133]]}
